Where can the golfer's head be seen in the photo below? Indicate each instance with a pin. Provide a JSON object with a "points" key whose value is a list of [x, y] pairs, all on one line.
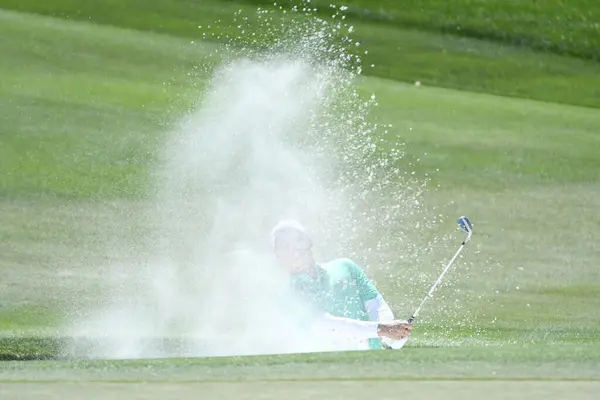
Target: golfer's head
{"points": [[292, 245]]}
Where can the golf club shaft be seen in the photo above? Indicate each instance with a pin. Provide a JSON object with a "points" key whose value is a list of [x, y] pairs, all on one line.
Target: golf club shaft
{"points": [[435, 285]]}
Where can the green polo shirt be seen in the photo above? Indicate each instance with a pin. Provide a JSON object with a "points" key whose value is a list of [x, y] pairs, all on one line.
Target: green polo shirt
{"points": [[339, 288]]}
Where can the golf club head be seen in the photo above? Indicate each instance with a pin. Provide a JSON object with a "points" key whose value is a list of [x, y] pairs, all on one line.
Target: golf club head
{"points": [[466, 226]]}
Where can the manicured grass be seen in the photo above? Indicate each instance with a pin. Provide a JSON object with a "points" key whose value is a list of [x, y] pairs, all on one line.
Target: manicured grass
{"points": [[545, 371], [118, 90], [550, 25], [492, 390], [394, 48], [568, 361], [84, 107]]}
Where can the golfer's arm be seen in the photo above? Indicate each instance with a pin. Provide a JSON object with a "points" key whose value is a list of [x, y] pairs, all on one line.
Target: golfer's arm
{"points": [[379, 310], [350, 327], [376, 306]]}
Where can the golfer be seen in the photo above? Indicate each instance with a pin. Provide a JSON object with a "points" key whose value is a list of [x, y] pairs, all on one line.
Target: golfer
{"points": [[347, 300]]}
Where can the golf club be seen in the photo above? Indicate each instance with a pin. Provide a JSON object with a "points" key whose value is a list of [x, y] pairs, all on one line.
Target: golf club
{"points": [[467, 227]]}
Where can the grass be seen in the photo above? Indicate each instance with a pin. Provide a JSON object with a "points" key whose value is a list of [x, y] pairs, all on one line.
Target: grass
{"points": [[508, 362], [556, 26], [542, 370], [84, 106], [294, 390], [408, 49], [496, 157], [37, 83]]}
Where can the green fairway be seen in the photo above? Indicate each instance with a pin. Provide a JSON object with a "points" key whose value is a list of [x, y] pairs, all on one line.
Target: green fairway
{"points": [[84, 108], [547, 372], [496, 158], [530, 57], [306, 390], [550, 25], [508, 362]]}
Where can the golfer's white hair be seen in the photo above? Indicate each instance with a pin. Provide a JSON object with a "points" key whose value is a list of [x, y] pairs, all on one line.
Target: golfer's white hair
{"points": [[285, 226]]}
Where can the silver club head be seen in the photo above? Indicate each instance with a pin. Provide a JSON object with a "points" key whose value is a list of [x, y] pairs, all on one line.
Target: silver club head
{"points": [[465, 224]]}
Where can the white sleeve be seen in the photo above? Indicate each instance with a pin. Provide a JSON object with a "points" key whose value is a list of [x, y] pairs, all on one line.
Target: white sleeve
{"points": [[378, 310], [351, 328]]}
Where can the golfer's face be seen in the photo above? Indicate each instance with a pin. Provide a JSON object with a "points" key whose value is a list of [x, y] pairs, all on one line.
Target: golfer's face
{"points": [[294, 251]]}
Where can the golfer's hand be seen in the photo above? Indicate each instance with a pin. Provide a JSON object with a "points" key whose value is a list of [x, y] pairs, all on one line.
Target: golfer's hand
{"points": [[394, 330]]}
